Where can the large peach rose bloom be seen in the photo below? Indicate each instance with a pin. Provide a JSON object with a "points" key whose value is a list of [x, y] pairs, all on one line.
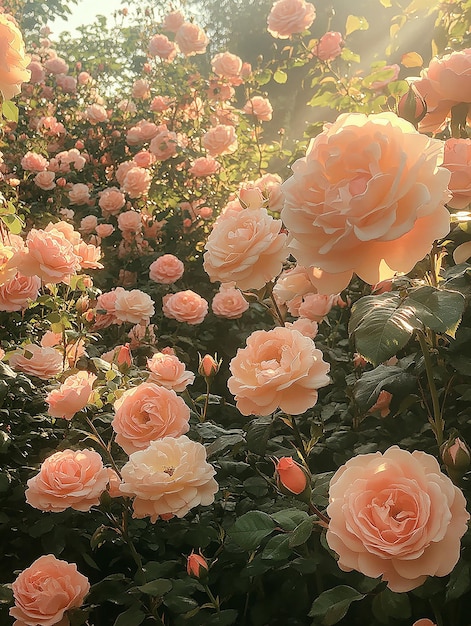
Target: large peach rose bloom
{"points": [[45, 590], [368, 198], [168, 371], [245, 247], [72, 396], [396, 515], [17, 292], [221, 139], [43, 362], [191, 39], [13, 60], [69, 478], [133, 306], [185, 306], [288, 17], [146, 413], [279, 368], [169, 478], [166, 270]]}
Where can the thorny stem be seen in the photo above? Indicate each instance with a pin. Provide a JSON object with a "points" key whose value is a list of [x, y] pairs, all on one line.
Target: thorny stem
{"points": [[323, 519], [214, 601], [436, 420], [298, 437], [206, 402]]}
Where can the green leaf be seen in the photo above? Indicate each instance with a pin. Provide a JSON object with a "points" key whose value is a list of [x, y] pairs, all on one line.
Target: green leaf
{"points": [[289, 519], [10, 111], [280, 77], [438, 309], [348, 55], [223, 618], [13, 223], [460, 581], [251, 528], [301, 533], [223, 443], [388, 605], [389, 377], [179, 604], [355, 22], [333, 604], [277, 548], [156, 588], [132, 617]]}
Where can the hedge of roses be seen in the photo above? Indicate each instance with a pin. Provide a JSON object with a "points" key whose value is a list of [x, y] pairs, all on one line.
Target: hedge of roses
{"points": [[234, 371]]}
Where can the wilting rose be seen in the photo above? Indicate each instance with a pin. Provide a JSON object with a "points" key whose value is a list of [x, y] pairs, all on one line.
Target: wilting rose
{"points": [[245, 247], [221, 139], [396, 515], [329, 46], [133, 306], [13, 60], [43, 362], [259, 107], [168, 371], [146, 413], [229, 302], [185, 306], [288, 17], [457, 157], [45, 590], [72, 396], [166, 270], [191, 39], [374, 212], [279, 368], [169, 478], [16, 293], [161, 46], [68, 479]]}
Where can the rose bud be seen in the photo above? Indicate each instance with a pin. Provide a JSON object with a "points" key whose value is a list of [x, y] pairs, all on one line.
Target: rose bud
{"points": [[456, 456], [292, 479], [208, 366], [412, 106], [196, 565]]}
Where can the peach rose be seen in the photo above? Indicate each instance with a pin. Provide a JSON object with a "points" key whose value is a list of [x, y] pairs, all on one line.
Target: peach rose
{"points": [[66, 229], [141, 89], [142, 132], [293, 283], [288, 17], [227, 65], [245, 247], [169, 478], [130, 222], [270, 186], [136, 181], [381, 405], [144, 158], [166, 270], [146, 413], [133, 306], [164, 145], [279, 368], [88, 224], [315, 306], [306, 327], [104, 230], [38, 75], [424, 622], [105, 309], [168, 371], [45, 590], [161, 46], [49, 255], [229, 302], [204, 166], [16, 293], [185, 306], [34, 162], [191, 39], [329, 46], [111, 201], [396, 515], [45, 180], [173, 21], [69, 478], [72, 396], [221, 139], [96, 113], [260, 108], [56, 65], [43, 362], [374, 212], [13, 60], [457, 157], [79, 194]]}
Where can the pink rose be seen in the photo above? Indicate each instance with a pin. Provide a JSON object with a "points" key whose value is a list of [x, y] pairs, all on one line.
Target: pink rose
{"points": [[374, 212], [161, 46], [89, 256], [204, 166], [164, 145], [389, 72], [288, 17], [38, 75], [166, 270], [185, 306], [111, 201], [191, 39], [144, 158], [69, 478], [96, 113], [270, 186], [306, 327], [37, 361], [142, 132], [79, 194], [88, 224], [292, 283], [133, 306], [245, 247], [329, 46], [227, 65], [260, 108], [105, 309], [173, 21], [168, 371], [130, 222], [229, 302], [83, 78], [56, 65], [47, 589], [66, 229], [45, 180], [315, 306], [160, 103], [136, 182], [16, 293], [13, 60], [396, 515], [68, 84], [457, 157], [146, 413], [221, 139], [34, 162], [49, 255], [72, 396], [141, 89], [450, 76], [424, 622], [279, 368], [169, 478], [104, 230]]}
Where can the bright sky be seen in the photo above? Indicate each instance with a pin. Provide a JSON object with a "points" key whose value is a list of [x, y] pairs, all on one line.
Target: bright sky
{"points": [[85, 12]]}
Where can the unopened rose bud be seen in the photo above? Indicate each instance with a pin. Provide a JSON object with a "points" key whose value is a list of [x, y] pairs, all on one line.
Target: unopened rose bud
{"points": [[412, 106], [292, 479], [456, 456], [123, 358], [196, 565], [209, 366]]}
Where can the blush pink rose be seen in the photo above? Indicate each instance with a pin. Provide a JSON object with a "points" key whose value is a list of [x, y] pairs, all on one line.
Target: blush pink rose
{"points": [[169, 478], [136, 182], [221, 139], [135, 306], [229, 302], [329, 46], [260, 108], [142, 132], [68, 479], [164, 145], [96, 113], [315, 306], [204, 166], [185, 306], [43, 362], [144, 158], [146, 413], [288, 17], [279, 368], [173, 21], [47, 589], [396, 515], [167, 269], [72, 396], [111, 201], [245, 247], [79, 194], [56, 65], [105, 309], [191, 39], [270, 186], [293, 283], [38, 75], [45, 180], [161, 46], [306, 327], [374, 212], [15, 294], [13, 60], [168, 371], [130, 222], [227, 65], [104, 230], [34, 162], [457, 157]]}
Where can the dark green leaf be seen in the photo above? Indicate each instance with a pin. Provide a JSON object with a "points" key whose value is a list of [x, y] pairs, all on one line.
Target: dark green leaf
{"points": [[289, 519], [301, 533], [388, 605], [438, 309], [277, 548], [251, 528], [333, 604], [132, 617], [157, 588]]}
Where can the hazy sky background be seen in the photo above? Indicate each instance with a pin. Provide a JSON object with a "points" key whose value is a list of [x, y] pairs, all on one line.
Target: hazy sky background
{"points": [[84, 13]]}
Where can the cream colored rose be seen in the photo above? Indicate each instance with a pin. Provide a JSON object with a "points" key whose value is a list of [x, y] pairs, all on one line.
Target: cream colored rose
{"points": [[279, 368], [148, 412], [13, 60], [245, 247], [47, 589], [68, 479], [133, 306], [374, 211], [396, 515], [169, 478]]}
